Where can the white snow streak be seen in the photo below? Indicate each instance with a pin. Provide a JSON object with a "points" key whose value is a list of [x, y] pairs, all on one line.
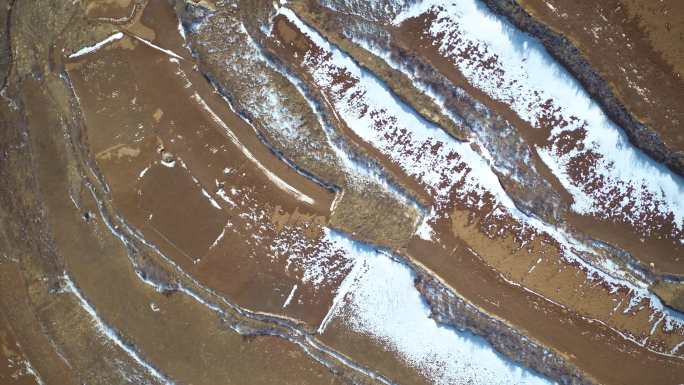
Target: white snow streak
{"points": [[211, 199], [368, 102], [90, 49], [111, 334], [290, 296], [158, 48], [245, 151]]}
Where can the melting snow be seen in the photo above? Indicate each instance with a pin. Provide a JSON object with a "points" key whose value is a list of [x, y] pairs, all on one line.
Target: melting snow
{"points": [[211, 199], [424, 230], [428, 154], [144, 171], [168, 163], [526, 77], [290, 296], [380, 300], [218, 238]]}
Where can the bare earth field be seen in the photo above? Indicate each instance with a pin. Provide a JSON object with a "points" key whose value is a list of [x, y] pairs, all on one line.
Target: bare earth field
{"points": [[341, 192]]}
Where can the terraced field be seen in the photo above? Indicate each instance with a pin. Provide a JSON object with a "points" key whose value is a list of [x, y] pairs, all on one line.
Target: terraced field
{"points": [[341, 192]]}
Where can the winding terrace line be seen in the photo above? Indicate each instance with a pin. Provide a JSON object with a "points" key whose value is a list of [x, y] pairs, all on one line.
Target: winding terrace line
{"points": [[590, 321], [277, 169], [243, 321]]}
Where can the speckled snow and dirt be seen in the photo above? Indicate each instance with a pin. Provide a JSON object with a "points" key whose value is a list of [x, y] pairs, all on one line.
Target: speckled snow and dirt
{"points": [[341, 192]]}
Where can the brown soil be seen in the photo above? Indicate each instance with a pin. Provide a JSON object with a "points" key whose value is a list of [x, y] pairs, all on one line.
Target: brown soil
{"points": [[109, 9], [660, 249], [188, 341], [243, 270], [145, 175], [561, 282], [251, 84], [371, 352]]}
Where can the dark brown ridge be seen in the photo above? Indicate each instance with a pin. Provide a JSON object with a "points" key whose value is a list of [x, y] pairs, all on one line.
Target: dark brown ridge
{"points": [[6, 46]]}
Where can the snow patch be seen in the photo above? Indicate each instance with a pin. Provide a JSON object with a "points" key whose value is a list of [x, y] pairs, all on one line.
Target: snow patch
{"points": [[172, 54], [380, 300], [90, 49], [524, 76], [426, 153]]}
